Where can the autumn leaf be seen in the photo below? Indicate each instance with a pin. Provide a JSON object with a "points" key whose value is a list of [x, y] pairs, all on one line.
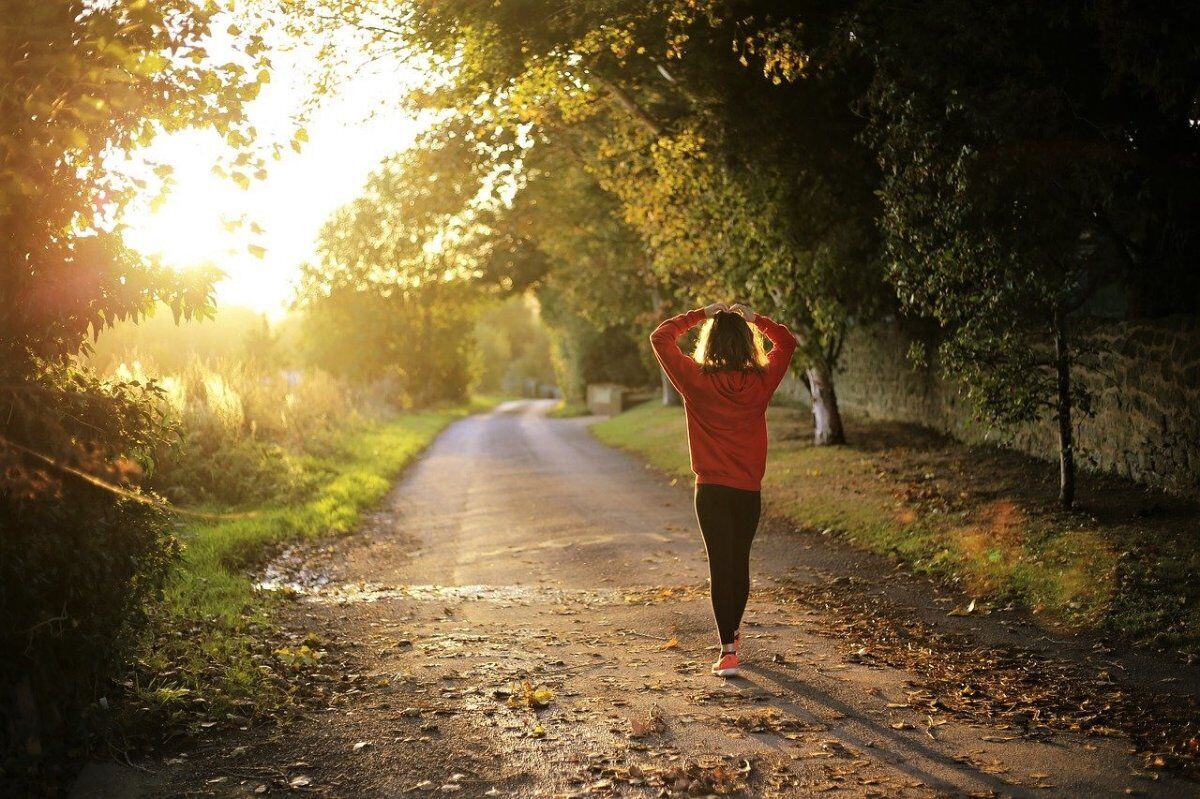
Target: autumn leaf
{"points": [[527, 695], [961, 611]]}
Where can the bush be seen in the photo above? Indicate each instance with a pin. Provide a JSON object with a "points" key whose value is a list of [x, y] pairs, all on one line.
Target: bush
{"points": [[82, 567], [77, 573], [242, 429], [584, 354], [78, 563]]}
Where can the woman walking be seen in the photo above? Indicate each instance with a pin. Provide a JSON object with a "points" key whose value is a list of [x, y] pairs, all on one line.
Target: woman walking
{"points": [[725, 387]]}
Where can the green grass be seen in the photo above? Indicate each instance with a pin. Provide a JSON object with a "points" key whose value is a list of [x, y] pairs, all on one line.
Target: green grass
{"points": [[982, 517], [208, 644], [360, 466]]}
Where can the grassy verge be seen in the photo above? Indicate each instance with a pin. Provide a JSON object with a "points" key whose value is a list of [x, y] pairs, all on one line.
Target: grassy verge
{"points": [[980, 516], [208, 658]]}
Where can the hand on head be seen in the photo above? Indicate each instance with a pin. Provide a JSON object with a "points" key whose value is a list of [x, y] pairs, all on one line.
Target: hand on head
{"points": [[738, 308], [712, 310], [743, 311]]}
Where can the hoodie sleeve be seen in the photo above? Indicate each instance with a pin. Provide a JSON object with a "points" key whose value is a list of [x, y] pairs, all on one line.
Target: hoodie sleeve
{"points": [[681, 370], [783, 345]]}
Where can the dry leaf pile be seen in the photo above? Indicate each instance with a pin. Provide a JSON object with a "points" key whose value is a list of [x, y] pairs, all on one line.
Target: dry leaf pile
{"points": [[669, 775], [772, 722], [671, 593]]}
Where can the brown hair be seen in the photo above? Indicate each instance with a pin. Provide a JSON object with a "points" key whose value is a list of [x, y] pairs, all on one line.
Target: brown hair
{"points": [[728, 344]]}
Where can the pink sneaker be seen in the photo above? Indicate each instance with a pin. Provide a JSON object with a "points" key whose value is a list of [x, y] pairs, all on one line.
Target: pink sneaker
{"points": [[727, 666]]}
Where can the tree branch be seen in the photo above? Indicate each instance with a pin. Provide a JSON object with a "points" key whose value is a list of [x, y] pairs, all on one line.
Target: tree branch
{"points": [[621, 99]]}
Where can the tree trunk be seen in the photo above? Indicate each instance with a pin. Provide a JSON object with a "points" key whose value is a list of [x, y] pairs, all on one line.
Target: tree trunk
{"points": [[1066, 444], [669, 395], [827, 419]]}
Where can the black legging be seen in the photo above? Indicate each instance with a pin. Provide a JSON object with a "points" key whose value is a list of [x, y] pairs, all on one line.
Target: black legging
{"points": [[728, 520]]}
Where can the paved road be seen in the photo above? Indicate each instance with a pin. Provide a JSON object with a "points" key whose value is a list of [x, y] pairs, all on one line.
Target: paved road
{"points": [[519, 548]]}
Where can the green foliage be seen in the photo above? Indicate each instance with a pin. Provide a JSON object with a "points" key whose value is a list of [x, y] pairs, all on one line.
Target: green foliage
{"points": [[980, 238], [701, 178], [597, 267], [599, 292], [585, 352], [722, 176], [234, 430], [512, 348], [417, 345], [1015, 160], [1022, 152], [77, 564], [87, 82], [241, 426], [404, 269]]}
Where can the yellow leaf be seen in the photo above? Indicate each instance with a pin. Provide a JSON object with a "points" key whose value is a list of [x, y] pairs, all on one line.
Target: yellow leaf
{"points": [[529, 696], [672, 644]]}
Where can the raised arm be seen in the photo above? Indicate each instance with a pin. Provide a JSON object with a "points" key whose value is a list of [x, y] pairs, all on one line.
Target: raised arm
{"points": [[680, 369], [783, 345]]}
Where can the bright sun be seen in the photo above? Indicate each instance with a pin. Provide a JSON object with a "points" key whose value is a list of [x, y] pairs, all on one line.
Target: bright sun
{"points": [[186, 230], [348, 136]]}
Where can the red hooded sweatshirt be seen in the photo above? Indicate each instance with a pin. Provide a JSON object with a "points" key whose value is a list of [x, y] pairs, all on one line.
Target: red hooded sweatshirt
{"points": [[726, 411]]}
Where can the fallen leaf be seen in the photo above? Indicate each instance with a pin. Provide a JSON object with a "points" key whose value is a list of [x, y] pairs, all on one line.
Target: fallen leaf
{"points": [[967, 611], [529, 696]]}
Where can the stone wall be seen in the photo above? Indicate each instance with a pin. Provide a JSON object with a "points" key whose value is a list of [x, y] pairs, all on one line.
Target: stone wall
{"points": [[1145, 382]]}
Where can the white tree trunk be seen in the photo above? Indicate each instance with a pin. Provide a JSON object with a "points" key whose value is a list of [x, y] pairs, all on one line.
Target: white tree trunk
{"points": [[670, 396], [827, 419]]}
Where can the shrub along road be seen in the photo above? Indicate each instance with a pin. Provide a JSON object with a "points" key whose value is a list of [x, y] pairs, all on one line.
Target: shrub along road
{"points": [[527, 616]]}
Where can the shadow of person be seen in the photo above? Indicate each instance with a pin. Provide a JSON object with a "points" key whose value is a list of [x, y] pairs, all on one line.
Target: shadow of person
{"points": [[875, 741]]}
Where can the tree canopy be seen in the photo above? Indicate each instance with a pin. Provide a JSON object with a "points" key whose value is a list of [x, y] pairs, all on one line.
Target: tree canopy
{"points": [[84, 84]]}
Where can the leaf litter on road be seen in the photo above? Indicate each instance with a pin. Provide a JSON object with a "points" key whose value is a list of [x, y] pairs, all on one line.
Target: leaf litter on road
{"points": [[1018, 690]]}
